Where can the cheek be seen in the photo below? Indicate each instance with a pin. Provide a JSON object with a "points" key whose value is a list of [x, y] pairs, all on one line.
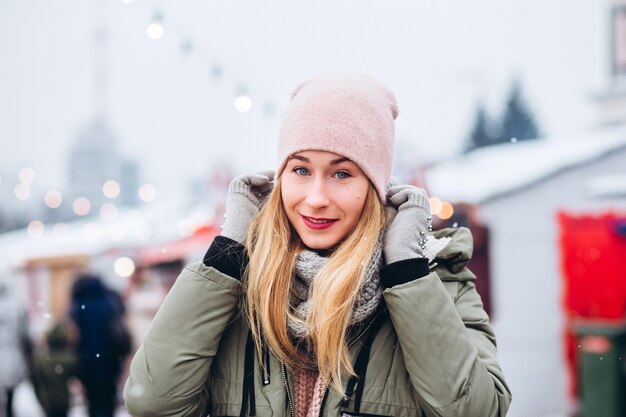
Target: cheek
{"points": [[354, 201], [290, 195], [285, 192]]}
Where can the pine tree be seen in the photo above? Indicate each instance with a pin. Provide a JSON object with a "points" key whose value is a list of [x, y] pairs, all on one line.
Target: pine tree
{"points": [[480, 135], [518, 122]]}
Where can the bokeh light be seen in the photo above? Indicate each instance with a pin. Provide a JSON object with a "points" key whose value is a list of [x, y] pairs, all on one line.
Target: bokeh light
{"points": [[435, 205], [142, 231], [147, 192], [447, 210], [111, 189], [196, 220], [117, 231], [91, 231], [185, 228], [61, 230], [108, 211], [155, 30], [35, 229], [53, 199], [133, 216], [243, 103], [124, 266], [22, 191], [27, 175], [81, 206]]}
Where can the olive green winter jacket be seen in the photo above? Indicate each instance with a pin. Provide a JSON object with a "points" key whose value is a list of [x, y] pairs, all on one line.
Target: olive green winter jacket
{"points": [[430, 352]]}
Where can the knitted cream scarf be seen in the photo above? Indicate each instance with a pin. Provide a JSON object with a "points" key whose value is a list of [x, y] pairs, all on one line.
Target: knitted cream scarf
{"points": [[308, 264]]}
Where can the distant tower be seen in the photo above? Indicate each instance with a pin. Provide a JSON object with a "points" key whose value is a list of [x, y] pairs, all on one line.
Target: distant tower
{"points": [[612, 102], [94, 158]]}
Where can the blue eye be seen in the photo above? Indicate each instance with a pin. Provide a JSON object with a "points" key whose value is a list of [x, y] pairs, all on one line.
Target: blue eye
{"points": [[342, 175], [301, 171]]}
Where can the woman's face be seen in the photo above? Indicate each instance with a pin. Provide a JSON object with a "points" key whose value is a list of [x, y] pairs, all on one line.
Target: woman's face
{"points": [[323, 194]]}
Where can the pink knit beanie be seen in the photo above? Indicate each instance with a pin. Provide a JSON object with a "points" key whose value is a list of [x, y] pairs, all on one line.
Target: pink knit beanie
{"points": [[349, 114]]}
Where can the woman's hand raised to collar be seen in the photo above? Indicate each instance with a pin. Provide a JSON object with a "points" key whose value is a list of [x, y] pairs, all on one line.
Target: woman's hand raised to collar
{"points": [[246, 194], [406, 234]]}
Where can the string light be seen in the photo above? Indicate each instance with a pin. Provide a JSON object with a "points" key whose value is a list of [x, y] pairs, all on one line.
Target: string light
{"points": [[243, 103], [268, 109], [155, 28], [215, 72], [185, 47]]}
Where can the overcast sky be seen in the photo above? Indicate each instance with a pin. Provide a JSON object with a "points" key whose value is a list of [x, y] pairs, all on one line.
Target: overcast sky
{"points": [[439, 57]]}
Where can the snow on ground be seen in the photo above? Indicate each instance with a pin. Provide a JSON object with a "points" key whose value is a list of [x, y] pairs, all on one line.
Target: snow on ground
{"points": [[25, 404]]}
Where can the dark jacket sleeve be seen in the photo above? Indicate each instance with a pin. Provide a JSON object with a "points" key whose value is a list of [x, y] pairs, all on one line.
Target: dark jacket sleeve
{"points": [[227, 256], [401, 272]]}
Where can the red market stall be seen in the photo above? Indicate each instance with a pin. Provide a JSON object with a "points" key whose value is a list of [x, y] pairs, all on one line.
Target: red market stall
{"points": [[592, 260]]}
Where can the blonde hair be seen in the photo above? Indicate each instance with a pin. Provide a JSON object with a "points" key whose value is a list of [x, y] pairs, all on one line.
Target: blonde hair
{"points": [[273, 247]]}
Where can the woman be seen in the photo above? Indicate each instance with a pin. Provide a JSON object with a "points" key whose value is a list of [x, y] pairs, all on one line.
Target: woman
{"points": [[327, 293]]}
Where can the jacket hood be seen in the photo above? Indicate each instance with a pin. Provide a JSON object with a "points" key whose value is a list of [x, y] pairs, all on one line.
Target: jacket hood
{"points": [[89, 286], [453, 258]]}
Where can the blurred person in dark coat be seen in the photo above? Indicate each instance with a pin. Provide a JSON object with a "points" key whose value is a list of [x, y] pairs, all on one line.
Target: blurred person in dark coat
{"points": [[103, 342], [53, 366], [15, 347]]}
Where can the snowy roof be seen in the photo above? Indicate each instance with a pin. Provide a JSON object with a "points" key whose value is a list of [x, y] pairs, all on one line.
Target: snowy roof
{"points": [[490, 172], [132, 228], [606, 186]]}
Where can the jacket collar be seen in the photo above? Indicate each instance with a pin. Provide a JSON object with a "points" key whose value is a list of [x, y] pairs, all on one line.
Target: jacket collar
{"points": [[453, 258]]}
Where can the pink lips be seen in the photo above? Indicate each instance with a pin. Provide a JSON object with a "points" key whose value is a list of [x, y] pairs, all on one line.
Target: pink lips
{"points": [[318, 224]]}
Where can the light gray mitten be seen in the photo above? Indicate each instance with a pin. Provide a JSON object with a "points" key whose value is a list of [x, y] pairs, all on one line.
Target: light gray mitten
{"points": [[246, 193], [405, 237]]}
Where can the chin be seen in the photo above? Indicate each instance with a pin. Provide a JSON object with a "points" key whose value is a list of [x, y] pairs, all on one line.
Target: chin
{"points": [[319, 244]]}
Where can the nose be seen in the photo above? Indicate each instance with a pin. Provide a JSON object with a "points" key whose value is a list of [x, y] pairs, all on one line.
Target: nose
{"points": [[317, 194]]}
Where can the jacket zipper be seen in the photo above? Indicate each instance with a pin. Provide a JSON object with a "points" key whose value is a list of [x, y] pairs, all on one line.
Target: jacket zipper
{"points": [[284, 372], [266, 367], [323, 403]]}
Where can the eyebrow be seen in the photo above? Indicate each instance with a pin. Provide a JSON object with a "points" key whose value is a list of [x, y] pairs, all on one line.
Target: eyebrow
{"points": [[307, 160]]}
